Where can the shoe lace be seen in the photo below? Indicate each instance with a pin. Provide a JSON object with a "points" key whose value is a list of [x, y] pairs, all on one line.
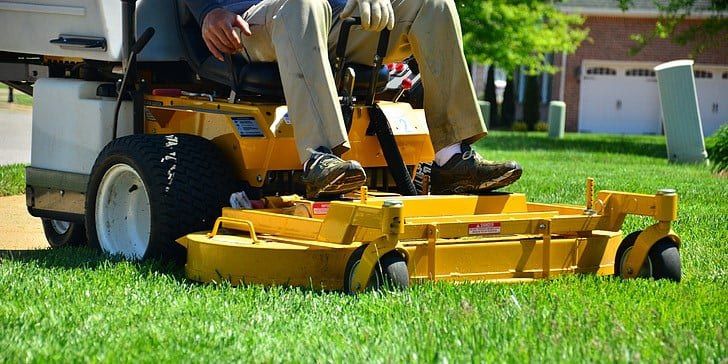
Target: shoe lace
{"points": [[324, 159], [469, 153]]}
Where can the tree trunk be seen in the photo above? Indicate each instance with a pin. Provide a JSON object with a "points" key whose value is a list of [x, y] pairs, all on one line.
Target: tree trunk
{"points": [[532, 102], [508, 109], [490, 96]]}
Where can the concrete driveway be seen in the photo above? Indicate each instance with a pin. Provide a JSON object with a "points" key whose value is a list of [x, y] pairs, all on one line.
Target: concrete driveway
{"points": [[15, 133], [19, 230]]}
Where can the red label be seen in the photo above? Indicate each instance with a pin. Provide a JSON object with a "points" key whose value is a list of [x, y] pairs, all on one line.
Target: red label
{"points": [[321, 208], [484, 228]]}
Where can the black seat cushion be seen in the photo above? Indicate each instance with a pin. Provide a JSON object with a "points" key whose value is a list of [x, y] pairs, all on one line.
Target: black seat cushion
{"points": [[252, 78]]}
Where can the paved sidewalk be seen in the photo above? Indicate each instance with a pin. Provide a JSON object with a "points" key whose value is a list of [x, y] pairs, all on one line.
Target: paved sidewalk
{"points": [[15, 133], [19, 230]]}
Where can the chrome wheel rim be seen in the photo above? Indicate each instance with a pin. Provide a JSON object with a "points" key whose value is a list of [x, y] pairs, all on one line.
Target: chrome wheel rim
{"points": [[60, 227], [645, 270]]}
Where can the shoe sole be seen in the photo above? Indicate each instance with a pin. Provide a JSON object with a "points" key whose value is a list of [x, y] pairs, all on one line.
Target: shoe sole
{"points": [[500, 182], [343, 183]]}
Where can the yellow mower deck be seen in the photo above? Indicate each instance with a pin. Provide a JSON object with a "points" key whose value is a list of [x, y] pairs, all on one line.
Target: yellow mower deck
{"points": [[453, 238]]}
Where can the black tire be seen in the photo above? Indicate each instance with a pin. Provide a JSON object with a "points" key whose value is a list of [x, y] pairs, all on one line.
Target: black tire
{"points": [[390, 272], [663, 259], [187, 182], [59, 234]]}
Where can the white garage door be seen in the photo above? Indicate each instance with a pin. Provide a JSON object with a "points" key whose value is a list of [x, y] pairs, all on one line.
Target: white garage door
{"points": [[618, 98], [711, 84], [622, 98]]}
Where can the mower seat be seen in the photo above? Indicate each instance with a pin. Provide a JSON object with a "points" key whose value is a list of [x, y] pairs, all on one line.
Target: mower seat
{"points": [[262, 79]]}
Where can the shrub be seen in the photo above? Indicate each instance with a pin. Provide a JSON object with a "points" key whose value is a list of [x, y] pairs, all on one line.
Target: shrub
{"points": [[520, 126], [542, 126], [717, 147]]}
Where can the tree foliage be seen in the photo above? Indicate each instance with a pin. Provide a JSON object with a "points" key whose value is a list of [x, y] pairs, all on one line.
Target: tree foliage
{"points": [[711, 32], [514, 33]]}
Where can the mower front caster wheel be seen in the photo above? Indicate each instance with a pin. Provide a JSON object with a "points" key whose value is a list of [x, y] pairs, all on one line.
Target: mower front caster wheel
{"points": [[390, 272], [60, 233], [662, 261]]}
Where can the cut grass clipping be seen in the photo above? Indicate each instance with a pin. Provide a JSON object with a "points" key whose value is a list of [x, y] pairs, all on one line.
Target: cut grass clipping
{"points": [[75, 305]]}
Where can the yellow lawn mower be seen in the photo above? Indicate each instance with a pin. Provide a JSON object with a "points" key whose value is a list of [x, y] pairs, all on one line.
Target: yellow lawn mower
{"points": [[150, 148]]}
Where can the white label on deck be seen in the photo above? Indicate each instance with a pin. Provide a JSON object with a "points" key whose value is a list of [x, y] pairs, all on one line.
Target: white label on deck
{"points": [[321, 208], [484, 228]]}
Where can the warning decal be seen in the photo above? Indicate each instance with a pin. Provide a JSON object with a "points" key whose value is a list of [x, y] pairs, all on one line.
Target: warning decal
{"points": [[321, 208], [247, 126], [484, 228]]}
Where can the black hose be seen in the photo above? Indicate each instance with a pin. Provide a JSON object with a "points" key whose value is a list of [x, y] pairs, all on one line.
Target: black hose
{"points": [[397, 168]]}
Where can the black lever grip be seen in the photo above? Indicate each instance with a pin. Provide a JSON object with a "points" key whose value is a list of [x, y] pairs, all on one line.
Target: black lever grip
{"points": [[344, 35], [143, 40]]}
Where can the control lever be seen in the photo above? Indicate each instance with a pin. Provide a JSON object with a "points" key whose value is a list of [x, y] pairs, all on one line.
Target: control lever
{"points": [[130, 72], [347, 98]]}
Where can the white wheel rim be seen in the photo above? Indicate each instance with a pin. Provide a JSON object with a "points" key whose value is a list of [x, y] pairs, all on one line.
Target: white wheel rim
{"points": [[123, 218], [60, 227], [645, 270]]}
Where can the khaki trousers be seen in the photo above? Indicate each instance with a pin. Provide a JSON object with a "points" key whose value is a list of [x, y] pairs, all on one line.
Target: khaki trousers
{"points": [[301, 35]]}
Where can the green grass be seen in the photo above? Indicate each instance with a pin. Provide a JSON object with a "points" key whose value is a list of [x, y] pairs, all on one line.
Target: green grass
{"points": [[12, 179], [76, 305], [20, 98]]}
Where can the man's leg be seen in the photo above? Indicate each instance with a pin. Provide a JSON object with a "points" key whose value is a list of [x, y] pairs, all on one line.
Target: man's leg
{"points": [[430, 29], [294, 33]]}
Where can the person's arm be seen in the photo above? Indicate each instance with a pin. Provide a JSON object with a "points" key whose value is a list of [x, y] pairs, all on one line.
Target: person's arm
{"points": [[200, 8], [217, 26]]}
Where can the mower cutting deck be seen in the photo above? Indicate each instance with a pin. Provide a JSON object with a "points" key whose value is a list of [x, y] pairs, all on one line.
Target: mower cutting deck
{"points": [[343, 244]]}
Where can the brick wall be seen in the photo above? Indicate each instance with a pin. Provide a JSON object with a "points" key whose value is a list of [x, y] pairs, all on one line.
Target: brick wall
{"points": [[610, 40]]}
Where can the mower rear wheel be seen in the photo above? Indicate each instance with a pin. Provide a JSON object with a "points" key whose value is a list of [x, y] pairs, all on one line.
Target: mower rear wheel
{"points": [[662, 261], [390, 272], [63, 233], [146, 191]]}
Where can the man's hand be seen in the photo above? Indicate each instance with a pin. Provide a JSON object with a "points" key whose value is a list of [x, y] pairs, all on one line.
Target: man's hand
{"points": [[375, 14], [218, 32]]}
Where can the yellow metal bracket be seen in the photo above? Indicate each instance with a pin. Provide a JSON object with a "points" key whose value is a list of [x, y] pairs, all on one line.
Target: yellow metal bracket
{"points": [[433, 233], [238, 224], [392, 225], [545, 227]]}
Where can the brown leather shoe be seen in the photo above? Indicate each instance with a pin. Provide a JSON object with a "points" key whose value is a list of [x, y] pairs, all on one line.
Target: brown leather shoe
{"points": [[467, 172]]}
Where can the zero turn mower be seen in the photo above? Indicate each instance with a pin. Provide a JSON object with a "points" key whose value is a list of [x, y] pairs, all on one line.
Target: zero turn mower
{"points": [[142, 142]]}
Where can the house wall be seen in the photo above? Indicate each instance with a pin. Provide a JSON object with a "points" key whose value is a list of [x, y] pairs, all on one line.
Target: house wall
{"points": [[610, 40]]}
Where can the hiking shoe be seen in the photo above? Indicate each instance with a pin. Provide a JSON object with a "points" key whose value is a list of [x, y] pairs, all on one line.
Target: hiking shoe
{"points": [[327, 174], [468, 172]]}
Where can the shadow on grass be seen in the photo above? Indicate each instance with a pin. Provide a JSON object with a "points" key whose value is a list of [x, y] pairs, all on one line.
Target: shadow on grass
{"points": [[86, 258], [642, 145]]}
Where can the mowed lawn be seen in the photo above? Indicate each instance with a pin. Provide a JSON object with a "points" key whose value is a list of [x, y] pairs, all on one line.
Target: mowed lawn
{"points": [[74, 304]]}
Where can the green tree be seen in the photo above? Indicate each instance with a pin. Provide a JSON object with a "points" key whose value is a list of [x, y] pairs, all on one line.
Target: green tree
{"points": [[711, 32], [513, 33]]}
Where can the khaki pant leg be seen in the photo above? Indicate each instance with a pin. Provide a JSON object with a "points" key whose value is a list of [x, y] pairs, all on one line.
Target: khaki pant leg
{"points": [[430, 29], [295, 33]]}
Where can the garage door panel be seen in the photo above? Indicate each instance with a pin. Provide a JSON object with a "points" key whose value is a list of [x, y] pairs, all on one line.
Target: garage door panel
{"points": [[712, 89], [618, 99]]}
